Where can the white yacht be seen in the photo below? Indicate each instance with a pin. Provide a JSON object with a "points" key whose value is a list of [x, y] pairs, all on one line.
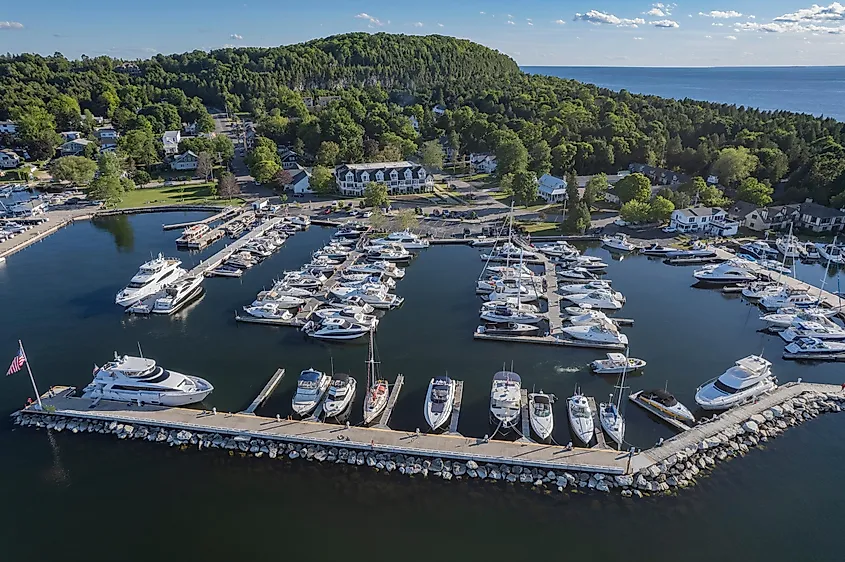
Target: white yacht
{"points": [[749, 378], [811, 252], [785, 299], [776, 266], [590, 263], [241, 260], [179, 294], [615, 364], [300, 221], [580, 417], [618, 242], [150, 278], [311, 386], [342, 312], [340, 395], [514, 270], [524, 294], [759, 249], [509, 252], [506, 314], [790, 246], [588, 317], [505, 400], [560, 248], [227, 271], [269, 310], [386, 268], [576, 273], [509, 328], [279, 300], [602, 300], [389, 252], [368, 294], [808, 329], [666, 404], [831, 253], [785, 317], [760, 289], [540, 414], [335, 329], [406, 239], [352, 307], [655, 249], [605, 333], [505, 283], [257, 249], [136, 379], [439, 401], [812, 348], [597, 285], [727, 273], [511, 303]]}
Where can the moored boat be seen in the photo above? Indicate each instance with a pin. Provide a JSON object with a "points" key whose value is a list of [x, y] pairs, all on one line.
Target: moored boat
{"points": [[540, 414], [580, 417], [439, 401], [747, 379]]}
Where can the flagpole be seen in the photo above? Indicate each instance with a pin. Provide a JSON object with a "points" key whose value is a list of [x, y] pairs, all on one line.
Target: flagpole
{"points": [[31, 378]]}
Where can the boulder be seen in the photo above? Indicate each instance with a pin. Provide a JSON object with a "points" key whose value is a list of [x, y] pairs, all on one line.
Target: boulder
{"points": [[472, 473], [525, 478], [654, 471], [446, 475], [758, 419], [511, 477], [641, 482], [437, 465], [750, 426], [495, 474], [472, 465], [391, 466], [627, 493], [624, 479], [538, 483], [482, 472]]}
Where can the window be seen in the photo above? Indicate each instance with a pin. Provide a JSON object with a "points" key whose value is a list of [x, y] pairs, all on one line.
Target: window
{"points": [[379, 176]]}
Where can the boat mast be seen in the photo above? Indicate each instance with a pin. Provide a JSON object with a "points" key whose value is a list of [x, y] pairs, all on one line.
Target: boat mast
{"points": [[826, 269], [619, 397]]}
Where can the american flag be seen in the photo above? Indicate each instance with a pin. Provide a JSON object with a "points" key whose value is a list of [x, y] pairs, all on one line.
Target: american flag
{"points": [[17, 362]]}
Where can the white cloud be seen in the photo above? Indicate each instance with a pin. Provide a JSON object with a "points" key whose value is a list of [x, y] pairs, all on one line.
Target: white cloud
{"points": [[559, 22], [601, 18], [816, 20], [418, 24], [482, 13], [752, 17], [509, 22], [530, 23], [439, 25], [638, 38], [718, 14], [11, 25], [510, 17], [815, 13], [656, 12], [717, 24], [371, 19], [667, 24], [236, 36], [730, 37], [708, 37], [790, 28], [528, 19]]}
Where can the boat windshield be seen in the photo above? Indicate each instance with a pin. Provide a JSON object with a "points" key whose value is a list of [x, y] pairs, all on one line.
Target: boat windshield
{"points": [[542, 410], [139, 284], [439, 394], [580, 412]]}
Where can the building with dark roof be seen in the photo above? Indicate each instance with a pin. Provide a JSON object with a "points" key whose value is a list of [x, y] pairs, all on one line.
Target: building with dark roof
{"points": [[399, 177], [807, 215]]}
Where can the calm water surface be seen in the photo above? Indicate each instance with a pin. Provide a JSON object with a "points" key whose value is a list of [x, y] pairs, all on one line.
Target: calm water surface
{"points": [[84, 497]]}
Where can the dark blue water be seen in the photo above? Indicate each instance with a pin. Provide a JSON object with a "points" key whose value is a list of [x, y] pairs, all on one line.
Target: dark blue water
{"points": [[817, 90]]}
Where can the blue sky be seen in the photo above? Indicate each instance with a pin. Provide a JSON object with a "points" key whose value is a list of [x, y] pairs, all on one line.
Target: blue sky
{"points": [[533, 32]]}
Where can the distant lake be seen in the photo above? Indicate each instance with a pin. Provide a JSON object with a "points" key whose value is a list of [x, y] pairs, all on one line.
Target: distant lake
{"points": [[817, 90]]}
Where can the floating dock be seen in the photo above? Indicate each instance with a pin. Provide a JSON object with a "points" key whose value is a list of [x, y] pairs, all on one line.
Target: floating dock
{"points": [[223, 215], [526, 419], [456, 408], [266, 391], [384, 422], [601, 443]]}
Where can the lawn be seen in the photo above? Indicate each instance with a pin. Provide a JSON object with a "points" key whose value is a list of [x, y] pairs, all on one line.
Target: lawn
{"points": [[542, 228], [197, 194]]}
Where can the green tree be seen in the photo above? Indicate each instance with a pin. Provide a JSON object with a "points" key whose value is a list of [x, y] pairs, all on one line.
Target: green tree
{"points": [[107, 186], [322, 180], [595, 189], [141, 177], [635, 211], [773, 165], [36, 131], [660, 209], [407, 219], [264, 171], [712, 196], [378, 221], [754, 191], [223, 148], [77, 170], [431, 155], [328, 154], [139, 145], [635, 187], [511, 157], [66, 112], [577, 219], [680, 199], [375, 195], [506, 184], [734, 165], [540, 158], [525, 187]]}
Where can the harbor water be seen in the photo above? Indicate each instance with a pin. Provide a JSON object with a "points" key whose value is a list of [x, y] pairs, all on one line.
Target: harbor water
{"points": [[92, 497]]}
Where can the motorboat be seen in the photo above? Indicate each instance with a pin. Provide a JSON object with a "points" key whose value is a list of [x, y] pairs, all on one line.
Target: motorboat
{"points": [[269, 310], [241, 260], [602, 300], [809, 329], [509, 252], [559, 248], [311, 386], [352, 306], [235, 228], [510, 328], [368, 294], [227, 271], [811, 252], [655, 249], [389, 252], [406, 239], [506, 314], [482, 241], [724, 274], [385, 268], [281, 301], [665, 404], [322, 264], [300, 221], [540, 414], [759, 249], [618, 242], [340, 395], [257, 249], [790, 246], [439, 401], [523, 293], [576, 274], [793, 316], [505, 400], [194, 232], [580, 417], [512, 303], [149, 279], [787, 298], [831, 253], [335, 329], [760, 289], [178, 294], [588, 317], [813, 348], [339, 312], [514, 270], [698, 250], [747, 379], [306, 282], [604, 333], [612, 421], [507, 286], [775, 266], [616, 363], [590, 263], [140, 380], [286, 290], [378, 389], [597, 285]]}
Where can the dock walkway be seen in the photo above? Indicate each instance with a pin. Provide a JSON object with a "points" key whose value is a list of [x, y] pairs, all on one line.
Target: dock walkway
{"points": [[391, 401], [266, 391], [601, 443], [224, 214]]}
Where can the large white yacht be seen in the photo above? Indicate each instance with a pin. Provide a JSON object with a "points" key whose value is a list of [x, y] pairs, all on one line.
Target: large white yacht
{"points": [[786, 317], [831, 253], [335, 329], [616, 363], [728, 273], [311, 386], [509, 252], [506, 314], [786, 299], [439, 401], [605, 333], [790, 246], [749, 378], [824, 329], [387, 268], [597, 285], [136, 379], [178, 294], [391, 252], [368, 294], [406, 239], [505, 400], [602, 300], [580, 417], [812, 348], [340, 395], [560, 248], [150, 278]]}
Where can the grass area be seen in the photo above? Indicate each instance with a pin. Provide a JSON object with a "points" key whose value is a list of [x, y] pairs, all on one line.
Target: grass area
{"points": [[542, 228], [197, 194]]}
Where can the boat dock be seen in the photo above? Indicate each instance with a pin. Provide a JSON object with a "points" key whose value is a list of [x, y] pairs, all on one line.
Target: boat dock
{"points": [[456, 408], [225, 214], [384, 422], [601, 442], [266, 391], [526, 419], [214, 234]]}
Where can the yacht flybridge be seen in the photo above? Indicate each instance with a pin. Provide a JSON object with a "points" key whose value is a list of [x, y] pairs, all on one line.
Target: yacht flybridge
{"points": [[580, 417], [150, 278], [505, 400], [311, 386], [140, 380], [749, 378]]}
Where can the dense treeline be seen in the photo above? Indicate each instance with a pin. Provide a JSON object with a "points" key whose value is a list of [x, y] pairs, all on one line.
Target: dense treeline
{"points": [[385, 82]]}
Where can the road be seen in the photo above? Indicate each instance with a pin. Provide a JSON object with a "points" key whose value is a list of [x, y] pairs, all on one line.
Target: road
{"points": [[249, 188]]}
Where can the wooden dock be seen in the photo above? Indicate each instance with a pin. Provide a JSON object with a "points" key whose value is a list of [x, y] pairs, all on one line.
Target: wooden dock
{"points": [[549, 340], [266, 391], [456, 408], [526, 420], [213, 261], [222, 215], [601, 443], [391, 401]]}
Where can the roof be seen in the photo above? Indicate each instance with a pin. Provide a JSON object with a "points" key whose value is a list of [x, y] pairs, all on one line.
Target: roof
{"points": [[83, 142], [299, 176], [552, 185], [385, 167], [185, 155], [742, 209], [700, 211], [820, 211], [170, 136]]}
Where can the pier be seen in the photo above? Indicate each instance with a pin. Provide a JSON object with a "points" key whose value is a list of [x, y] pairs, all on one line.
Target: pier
{"points": [[384, 422], [266, 391], [456, 408], [526, 420], [222, 215], [601, 443]]}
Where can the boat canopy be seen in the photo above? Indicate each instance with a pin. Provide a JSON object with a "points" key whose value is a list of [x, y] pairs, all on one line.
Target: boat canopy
{"points": [[660, 396], [340, 379], [310, 375], [506, 376], [616, 357]]}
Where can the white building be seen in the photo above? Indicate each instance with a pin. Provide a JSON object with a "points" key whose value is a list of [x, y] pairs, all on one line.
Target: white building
{"points": [[552, 189], [438, 110], [399, 177], [415, 123], [186, 161], [9, 159], [706, 220], [482, 163], [301, 183], [170, 140], [9, 127]]}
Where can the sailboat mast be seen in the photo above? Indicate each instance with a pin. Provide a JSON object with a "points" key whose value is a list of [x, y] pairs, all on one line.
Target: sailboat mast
{"points": [[826, 270]]}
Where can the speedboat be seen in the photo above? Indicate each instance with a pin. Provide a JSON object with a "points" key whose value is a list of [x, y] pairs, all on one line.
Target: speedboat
{"points": [[227, 271], [615, 364], [335, 329], [500, 284], [760, 289], [482, 240], [759, 249], [794, 316], [603, 300], [587, 317], [727, 273], [612, 421], [386, 268], [178, 294], [269, 310], [590, 263], [666, 404], [831, 253], [528, 292], [656, 249], [352, 307], [505, 400], [618, 242], [576, 273], [812, 348], [559, 248], [439, 400], [280, 300], [790, 246], [378, 389], [340, 395], [580, 417], [257, 249], [311, 386], [241, 260], [525, 294], [811, 252], [788, 298], [339, 312], [368, 294], [817, 330], [749, 378], [506, 314], [511, 328], [540, 414], [511, 303], [140, 380], [406, 239], [605, 333], [698, 250], [150, 278], [300, 221], [389, 252], [597, 285]]}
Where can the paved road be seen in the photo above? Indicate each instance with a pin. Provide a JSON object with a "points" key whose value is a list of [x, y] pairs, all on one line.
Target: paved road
{"points": [[249, 189]]}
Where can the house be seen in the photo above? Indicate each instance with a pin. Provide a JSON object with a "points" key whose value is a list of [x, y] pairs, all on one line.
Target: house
{"points": [[9, 159], [185, 161], [438, 110], [659, 176], [260, 205], [189, 129], [301, 183], [482, 163], [819, 218], [8, 127], [170, 140], [399, 177], [323, 101], [706, 220], [289, 159], [107, 137], [741, 210], [74, 147], [128, 68], [807, 215], [712, 180], [70, 135], [415, 123], [30, 208], [552, 189]]}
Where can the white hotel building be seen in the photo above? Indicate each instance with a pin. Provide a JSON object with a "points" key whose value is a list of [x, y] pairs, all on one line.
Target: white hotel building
{"points": [[399, 177]]}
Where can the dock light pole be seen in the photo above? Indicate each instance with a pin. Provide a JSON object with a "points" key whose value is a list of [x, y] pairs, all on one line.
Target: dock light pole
{"points": [[630, 456]]}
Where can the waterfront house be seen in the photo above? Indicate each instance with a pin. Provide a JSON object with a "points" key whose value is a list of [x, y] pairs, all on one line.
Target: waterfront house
{"points": [[301, 182], [807, 216], [704, 220], [9, 159], [70, 135], [819, 218], [551, 188], [741, 210], [399, 177], [74, 147], [482, 163], [8, 127], [170, 140], [186, 161]]}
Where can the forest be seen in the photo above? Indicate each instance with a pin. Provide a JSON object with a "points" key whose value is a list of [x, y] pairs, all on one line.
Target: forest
{"points": [[532, 123]]}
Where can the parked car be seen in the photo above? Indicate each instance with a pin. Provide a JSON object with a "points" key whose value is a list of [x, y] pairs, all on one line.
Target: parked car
{"points": [[669, 229], [620, 222]]}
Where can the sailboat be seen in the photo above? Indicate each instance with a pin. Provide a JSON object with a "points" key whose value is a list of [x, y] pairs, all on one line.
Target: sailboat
{"points": [[610, 414], [378, 390]]}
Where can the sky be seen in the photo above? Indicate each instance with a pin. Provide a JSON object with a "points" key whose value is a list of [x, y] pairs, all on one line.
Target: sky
{"points": [[533, 32]]}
